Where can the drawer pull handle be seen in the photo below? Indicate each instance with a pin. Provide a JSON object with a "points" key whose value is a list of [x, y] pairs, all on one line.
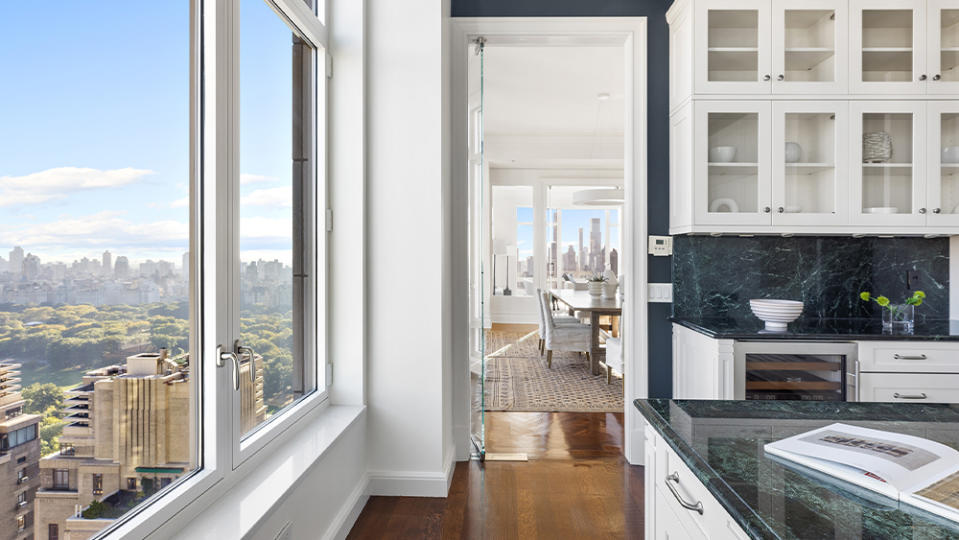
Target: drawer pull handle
{"points": [[688, 506], [898, 356], [922, 395]]}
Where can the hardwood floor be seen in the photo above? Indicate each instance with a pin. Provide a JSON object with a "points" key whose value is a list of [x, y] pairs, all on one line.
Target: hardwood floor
{"points": [[576, 485]]}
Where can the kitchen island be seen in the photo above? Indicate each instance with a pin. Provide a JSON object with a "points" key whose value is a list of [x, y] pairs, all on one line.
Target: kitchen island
{"points": [[707, 475]]}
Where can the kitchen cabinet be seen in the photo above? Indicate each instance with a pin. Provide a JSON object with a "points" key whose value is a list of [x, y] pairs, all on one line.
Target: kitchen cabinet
{"points": [[925, 372], [887, 46], [678, 505], [732, 47], [909, 387], [942, 174], [809, 47], [703, 368]]}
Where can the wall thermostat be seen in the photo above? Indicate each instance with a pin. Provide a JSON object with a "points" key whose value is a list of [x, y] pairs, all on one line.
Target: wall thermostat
{"points": [[661, 246]]}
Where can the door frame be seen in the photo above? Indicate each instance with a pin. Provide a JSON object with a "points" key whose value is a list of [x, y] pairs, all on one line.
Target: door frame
{"points": [[631, 33]]}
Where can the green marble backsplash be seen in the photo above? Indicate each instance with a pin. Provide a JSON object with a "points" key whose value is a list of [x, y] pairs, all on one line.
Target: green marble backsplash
{"points": [[716, 277]]}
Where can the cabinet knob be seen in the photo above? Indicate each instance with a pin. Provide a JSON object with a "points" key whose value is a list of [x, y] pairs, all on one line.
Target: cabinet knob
{"points": [[922, 210], [936, 77], [922, 77], [937, 210], [767, 210], [781, 210], [781, 77], [766, 77]]}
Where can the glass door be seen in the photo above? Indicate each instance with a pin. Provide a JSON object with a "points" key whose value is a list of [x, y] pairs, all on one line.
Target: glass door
{"points": [[810, 49], [732, 152], [887, 51], [942, 142], [735, 58], [887, 182], [942, 33], [479, 195], [809, 163]]}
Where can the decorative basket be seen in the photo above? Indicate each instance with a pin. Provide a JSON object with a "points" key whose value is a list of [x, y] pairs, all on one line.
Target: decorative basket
{"points": [[876, 147]]}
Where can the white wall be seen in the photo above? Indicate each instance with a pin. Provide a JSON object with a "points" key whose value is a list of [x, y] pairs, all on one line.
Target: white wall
{"points": [[408, 274]]}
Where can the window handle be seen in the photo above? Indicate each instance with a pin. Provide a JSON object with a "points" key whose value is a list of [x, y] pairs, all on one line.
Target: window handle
{"points": [[221, 359], [243, 350]]}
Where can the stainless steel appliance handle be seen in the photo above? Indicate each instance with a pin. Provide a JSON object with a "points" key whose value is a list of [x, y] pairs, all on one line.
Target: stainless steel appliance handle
{"points": [[898, 356], [922, 395], [698, 507]]}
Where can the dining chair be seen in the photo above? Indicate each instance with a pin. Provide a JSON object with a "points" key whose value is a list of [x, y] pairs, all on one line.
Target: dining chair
{"points": [[572, 337], [614, 353], [559, 319]]}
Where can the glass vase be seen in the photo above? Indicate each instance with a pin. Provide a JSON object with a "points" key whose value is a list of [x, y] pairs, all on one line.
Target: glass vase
{"points": [[899, 317]]}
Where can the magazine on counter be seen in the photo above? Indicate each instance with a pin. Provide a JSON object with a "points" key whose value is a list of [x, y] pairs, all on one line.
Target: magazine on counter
{"points": [[912, 470]]}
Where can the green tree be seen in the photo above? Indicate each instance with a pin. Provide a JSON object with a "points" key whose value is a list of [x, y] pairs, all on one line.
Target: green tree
{"points": [[40, 397]]}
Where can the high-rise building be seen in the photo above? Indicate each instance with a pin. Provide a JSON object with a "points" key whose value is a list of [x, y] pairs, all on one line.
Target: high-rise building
{"points": [[31, 267], [107, 266], [16, 260], [185, 268], [19, 455], [569, 261], [597, 263], [121, 268], [128, 435], [614, 261]]}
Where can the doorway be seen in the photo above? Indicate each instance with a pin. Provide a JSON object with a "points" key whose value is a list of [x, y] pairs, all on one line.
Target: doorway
{"points": [[548, 158]]}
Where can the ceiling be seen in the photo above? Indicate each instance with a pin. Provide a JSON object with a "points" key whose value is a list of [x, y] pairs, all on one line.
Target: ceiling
{"points": [[554, 90]]}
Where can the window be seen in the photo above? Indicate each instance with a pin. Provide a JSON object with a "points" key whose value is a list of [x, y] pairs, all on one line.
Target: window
{"points": [[513, 257], [582, 241], [101, 251], [53, 532], [21, 523], [61, 479], [22, 499], [22, 476]]}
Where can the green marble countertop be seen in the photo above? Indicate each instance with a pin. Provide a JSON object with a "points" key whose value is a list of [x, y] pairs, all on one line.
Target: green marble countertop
{"points": [[722, 443]]}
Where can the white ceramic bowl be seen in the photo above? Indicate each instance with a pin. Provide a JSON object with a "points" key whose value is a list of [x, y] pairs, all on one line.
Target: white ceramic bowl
{"points": [[793, 152], [950, 154], [776, 313], [722, 154]]}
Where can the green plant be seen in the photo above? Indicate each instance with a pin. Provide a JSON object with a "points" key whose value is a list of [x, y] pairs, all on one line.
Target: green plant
{"points": [[95, 510], [597, 278], [914, 300]]}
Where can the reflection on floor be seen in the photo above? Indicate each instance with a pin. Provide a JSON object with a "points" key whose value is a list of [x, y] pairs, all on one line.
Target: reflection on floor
{"points": [[576, 485]]}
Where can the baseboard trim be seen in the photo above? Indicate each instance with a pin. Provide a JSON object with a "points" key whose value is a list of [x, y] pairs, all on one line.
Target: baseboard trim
{"points": [[413, 484], [350, 511]]}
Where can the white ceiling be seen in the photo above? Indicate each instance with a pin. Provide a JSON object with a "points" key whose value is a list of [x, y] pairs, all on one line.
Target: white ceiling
{"points": [[553, 90]]}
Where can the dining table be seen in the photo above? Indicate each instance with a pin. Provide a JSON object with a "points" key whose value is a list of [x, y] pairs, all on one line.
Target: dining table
{"points": [[596, 306]]}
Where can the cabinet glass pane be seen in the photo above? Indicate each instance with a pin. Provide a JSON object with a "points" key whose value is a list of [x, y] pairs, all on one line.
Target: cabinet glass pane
{"points": [[733, 162], [810, 45], [887, 45], [810, 163], [733, 45], [949, 138], [887, 163], [949, 43]]}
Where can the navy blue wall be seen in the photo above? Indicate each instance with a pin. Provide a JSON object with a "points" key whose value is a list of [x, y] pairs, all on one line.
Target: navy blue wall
{"points": [[660, 337]]}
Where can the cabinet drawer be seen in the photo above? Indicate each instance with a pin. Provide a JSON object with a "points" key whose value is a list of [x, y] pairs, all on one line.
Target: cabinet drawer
{"points": [[714, 522], [909, 387], [905, 357]]}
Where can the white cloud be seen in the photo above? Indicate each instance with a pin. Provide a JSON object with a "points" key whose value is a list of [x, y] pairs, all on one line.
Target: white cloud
{"points": [[265, 228], [281, 197], [55, 183], [246, 178], [180, 203]]}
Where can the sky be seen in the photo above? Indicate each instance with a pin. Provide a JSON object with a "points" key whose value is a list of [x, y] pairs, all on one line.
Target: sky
{"points": [[94, 129], [573, 219]]}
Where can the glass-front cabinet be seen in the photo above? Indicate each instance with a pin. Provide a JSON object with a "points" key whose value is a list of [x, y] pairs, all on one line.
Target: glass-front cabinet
{"points": [[887, 149], [942, 35], [887, 49], [731, 155], [809, 161], [942, 144], [809, 46], [736, 55]]}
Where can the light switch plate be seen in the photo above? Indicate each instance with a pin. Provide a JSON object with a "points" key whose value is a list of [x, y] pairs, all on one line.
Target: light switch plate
{"points": [[660, 292], [660, 246]]}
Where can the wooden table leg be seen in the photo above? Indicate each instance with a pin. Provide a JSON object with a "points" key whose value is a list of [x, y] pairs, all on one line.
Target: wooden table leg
{"points": [[594, 350]]}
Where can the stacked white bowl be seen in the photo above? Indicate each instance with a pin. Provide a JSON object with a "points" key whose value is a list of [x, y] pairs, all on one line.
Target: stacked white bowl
{"points": [[776, 313]]}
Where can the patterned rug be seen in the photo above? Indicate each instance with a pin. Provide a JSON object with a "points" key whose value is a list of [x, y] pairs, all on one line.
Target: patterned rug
{"points": [[517, 379]]}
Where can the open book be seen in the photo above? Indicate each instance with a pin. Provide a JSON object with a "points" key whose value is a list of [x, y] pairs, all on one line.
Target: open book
{"points": [[912, 470]]}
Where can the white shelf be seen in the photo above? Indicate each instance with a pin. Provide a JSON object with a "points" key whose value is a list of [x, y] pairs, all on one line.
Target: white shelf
{"points": [[808, 168], [887, 165], [887, 49], [733, 164], [733, 49]]}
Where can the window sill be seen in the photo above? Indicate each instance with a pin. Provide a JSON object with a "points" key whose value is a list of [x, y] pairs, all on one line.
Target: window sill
{"points": [[232, 509]]}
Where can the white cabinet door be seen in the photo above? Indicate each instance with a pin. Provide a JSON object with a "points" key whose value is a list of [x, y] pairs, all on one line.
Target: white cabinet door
{"points": [[887, 46], [942, 176], [909, 387], [732, 47], [887, 172], [810, 46], [942, 46], [810, 163], [731, 169]]}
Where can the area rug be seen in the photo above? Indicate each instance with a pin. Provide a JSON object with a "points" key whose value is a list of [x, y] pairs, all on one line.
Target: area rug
{"points": [[517, 379]]}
